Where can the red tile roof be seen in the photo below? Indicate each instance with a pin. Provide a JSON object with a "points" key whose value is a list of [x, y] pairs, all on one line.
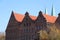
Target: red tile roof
{"points": [[51, 19]]}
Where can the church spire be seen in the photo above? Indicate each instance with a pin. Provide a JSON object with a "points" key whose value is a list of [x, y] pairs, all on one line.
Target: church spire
{"points": [[45, 11], [52, 11]]}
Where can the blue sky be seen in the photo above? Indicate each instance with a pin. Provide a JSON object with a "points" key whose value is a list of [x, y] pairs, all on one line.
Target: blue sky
{"points": [[21, 6]]}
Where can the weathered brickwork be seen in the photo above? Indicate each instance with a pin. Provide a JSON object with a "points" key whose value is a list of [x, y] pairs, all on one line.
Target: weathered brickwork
{"points": [[27, 29]]}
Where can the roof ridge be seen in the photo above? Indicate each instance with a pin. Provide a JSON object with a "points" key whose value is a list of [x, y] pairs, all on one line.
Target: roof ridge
{"points": [[19, 17]]}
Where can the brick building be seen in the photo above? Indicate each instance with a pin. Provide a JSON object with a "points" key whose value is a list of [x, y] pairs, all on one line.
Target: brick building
{"points": [[26, 27]]}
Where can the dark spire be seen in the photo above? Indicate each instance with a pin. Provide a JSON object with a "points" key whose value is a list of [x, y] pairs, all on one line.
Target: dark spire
{"points": [[52, 11]]}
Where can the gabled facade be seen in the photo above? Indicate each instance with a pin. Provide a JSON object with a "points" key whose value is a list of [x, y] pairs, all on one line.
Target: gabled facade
{"points": [[41, 22], [12, 29], [27, 29]]}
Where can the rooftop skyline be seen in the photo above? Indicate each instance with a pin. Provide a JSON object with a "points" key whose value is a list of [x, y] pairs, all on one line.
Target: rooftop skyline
{"points": [[21, 6]]}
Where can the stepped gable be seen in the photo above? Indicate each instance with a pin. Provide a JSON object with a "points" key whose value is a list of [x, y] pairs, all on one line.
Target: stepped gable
{"points": [[12, 28], [40, 16], [12, 19], [19, 17], [27, 17], [27, 21], [28, 28], [41, 22], [12, 22], [41, 19]]}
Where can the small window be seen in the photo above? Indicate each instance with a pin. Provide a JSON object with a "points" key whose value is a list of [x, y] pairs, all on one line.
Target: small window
{"points": [[24, 24], [27, 24]]}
